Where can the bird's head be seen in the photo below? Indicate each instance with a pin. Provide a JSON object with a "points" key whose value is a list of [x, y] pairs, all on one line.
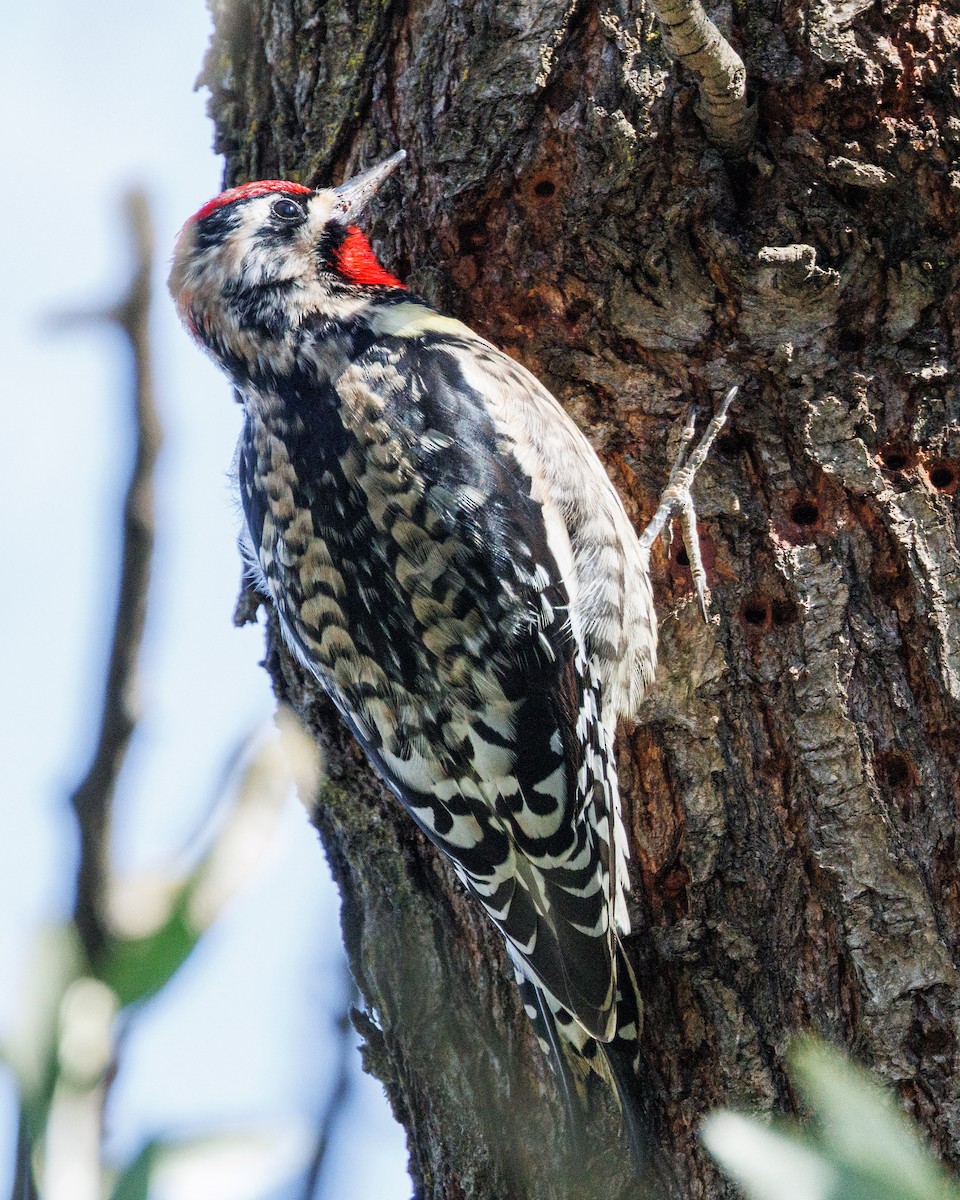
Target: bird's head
{"points": [[257, 259]]}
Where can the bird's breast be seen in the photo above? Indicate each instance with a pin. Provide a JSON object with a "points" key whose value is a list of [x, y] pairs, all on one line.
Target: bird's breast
{"points": [[366, 573]]}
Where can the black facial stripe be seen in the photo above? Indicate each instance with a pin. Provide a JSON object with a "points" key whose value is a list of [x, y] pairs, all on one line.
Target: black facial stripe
{"points": [[214, 228], [278, 233], [332, 238]]}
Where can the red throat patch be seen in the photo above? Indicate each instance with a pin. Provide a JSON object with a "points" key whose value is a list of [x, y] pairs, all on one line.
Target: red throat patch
{"points": [[356, 262], [260, 187]]}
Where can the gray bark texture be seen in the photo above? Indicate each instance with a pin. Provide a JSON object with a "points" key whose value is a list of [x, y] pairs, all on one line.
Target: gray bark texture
{"points": [[792, 787]]}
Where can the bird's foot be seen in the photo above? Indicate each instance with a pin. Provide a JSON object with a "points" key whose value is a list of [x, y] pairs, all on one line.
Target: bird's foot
{"points": [[676, 497], [250, 599]]}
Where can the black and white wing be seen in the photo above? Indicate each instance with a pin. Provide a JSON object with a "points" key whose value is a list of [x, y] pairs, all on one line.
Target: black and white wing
{"points": [[425, 580]]}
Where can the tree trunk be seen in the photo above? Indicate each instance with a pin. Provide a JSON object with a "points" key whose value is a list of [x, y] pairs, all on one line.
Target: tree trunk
{"points": [[792, 787]]}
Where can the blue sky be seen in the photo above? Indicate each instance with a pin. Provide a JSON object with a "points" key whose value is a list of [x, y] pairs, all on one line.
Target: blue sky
{"points": [[95, 98]]}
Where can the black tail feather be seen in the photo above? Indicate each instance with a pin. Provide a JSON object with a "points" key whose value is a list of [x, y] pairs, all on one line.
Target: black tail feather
{"points": [[621, 1056], [572, 1106], [618, 1061], [623, 1059]]}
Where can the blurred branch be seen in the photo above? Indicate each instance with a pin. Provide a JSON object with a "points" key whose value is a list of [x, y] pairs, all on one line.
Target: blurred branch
{"points": [[23, 1184], [93, 798], [340, 1092]]}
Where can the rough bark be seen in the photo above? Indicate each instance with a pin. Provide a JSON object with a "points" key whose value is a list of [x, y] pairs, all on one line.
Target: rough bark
{"points": [[792, 787]]}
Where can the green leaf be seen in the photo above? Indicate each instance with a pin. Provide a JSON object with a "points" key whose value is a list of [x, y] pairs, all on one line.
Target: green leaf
{"points": [[141, 962], [859, 1147], [861, 1125], [137, 968], [134, 1181]]}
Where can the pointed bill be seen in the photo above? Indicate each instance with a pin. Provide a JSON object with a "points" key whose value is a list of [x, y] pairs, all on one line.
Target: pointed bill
{"points": [[353, 196]]}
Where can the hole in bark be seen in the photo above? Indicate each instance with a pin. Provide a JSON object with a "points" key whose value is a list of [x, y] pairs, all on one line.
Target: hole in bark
{"points": [[896, 457], [732, 443], [929, 1039], [673, 888], [853, 199], [943, 476], [756, 612], [895, 769], [544, 189], [851, 341], [576, 310], [898, 772], [472, 235], [805, 512], [784, 612], [683, 558]]}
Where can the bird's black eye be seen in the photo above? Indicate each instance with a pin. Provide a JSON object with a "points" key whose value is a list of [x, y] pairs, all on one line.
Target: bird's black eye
{"points": [[287, 210]]}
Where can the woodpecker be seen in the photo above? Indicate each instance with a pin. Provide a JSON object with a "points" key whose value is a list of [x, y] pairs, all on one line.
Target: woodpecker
{"points": [[449, 560]]}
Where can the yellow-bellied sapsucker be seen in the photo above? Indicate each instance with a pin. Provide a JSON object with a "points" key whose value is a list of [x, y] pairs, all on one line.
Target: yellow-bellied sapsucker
{"points": [[449, 559]]}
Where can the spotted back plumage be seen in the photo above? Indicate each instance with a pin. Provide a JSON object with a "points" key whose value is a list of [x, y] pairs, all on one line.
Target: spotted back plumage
{"points": [[450, 561]]}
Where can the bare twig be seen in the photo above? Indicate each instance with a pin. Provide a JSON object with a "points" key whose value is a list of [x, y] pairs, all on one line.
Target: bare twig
{"points": [[24, 1187], [339, 1093], [693, 40], [93, 797]]}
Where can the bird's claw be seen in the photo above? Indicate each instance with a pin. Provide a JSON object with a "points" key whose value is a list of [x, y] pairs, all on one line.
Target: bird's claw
{"points": [[676, 497]]}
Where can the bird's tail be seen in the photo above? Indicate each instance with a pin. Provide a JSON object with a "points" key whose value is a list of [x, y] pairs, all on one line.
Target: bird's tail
{"points": [[575, 1055], [621, 1057]]}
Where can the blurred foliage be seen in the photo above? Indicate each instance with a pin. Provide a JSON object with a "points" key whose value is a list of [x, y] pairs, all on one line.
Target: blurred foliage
{"points": [[89, 979], [134, 1183], [63, 1050], [858, 1145], [139, 967]]}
